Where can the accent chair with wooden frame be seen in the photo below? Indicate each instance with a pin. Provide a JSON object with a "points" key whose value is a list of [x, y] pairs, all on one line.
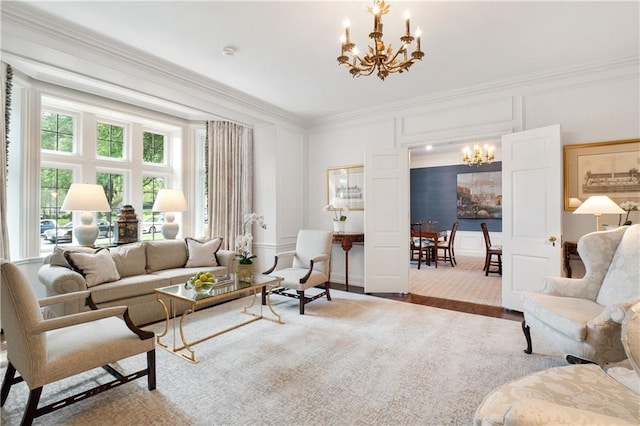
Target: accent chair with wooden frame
{"points": [[44, 351], [310, 267], [419, 245]]}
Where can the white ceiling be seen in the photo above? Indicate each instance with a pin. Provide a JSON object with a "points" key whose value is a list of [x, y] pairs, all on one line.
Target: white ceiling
{"points": [[286, 51]]}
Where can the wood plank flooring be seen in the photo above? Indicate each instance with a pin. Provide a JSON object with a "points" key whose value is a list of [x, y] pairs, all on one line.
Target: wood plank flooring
{"points": [[452, 305]]}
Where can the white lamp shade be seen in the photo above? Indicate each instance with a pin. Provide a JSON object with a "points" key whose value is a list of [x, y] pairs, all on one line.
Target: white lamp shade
{"points": [[169, 200], [599, 204], [85, 197], [574, 202]]}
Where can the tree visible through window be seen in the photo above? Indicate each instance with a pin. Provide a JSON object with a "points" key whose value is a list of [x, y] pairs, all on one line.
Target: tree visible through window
{"points": [[113, 185], [54, 184], [153, 148], [56, 132], [110, 140]]}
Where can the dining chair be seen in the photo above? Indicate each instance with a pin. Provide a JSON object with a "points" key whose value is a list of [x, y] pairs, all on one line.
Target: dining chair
{"points": [[448, 254], [491, 251], [419, 245]]}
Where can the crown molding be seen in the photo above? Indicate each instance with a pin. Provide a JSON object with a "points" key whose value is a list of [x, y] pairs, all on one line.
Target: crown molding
{"points": [[38, 27], [622, 66]]}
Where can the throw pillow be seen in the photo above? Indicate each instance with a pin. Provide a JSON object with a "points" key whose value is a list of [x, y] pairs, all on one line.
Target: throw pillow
{"points": [[202, 253], [97, 268], [57, 257], [130, 259]]}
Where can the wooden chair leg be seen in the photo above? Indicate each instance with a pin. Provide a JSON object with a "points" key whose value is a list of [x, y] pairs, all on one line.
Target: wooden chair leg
{"points": [[302, 301], [6, 383], [500, 264], [32, 406], [487, 265], [151, 367], [327, 287], [486, 262]]}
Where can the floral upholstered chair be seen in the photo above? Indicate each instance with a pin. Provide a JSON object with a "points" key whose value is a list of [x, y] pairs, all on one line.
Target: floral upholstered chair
{"points": [[574, 394], [582, 317]]}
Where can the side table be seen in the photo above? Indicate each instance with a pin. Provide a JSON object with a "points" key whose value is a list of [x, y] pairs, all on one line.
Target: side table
{"points": [[347, 239], [570, 249]]}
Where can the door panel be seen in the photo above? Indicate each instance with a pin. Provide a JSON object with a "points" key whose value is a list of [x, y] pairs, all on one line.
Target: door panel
{"points": [[532, 211], [386, 217]]}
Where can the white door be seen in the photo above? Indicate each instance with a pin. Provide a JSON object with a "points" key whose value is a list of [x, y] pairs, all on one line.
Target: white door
{"points": [[386, 221], [532, 211]]}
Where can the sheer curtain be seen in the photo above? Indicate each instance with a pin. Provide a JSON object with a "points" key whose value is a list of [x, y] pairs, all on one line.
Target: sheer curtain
{"points": [[229, 179], [6, 95]]}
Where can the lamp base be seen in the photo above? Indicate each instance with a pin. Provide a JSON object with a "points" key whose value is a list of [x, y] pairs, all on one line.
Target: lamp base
{"points": [[86, 234], [170, 230]]}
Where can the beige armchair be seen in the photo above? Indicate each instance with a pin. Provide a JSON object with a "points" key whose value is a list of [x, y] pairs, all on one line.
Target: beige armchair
{"points": [[44, 351], [307, 266], [582, 317], [574, 394]]}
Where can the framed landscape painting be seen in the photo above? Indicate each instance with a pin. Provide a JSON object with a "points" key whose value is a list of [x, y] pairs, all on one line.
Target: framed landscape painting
{"points": [[345, 187], [479, 195], [602, 168]]}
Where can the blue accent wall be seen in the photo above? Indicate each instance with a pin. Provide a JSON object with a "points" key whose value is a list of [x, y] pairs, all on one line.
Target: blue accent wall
{"points": [[433, 196]]}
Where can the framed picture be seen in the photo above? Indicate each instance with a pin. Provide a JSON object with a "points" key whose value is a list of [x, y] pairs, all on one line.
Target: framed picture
{"points": [[345, 187], [479, 195], [602, 168]]}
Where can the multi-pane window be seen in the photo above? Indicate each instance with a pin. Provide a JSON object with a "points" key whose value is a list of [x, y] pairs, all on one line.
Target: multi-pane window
{"points": [[152, 221], [113, 185], [110, 141], [54, 184], [153, 148], [56, 132]]}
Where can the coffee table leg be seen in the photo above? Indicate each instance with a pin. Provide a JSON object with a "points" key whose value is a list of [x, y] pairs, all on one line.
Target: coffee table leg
{"points": [[166, 324], [192, 356]]}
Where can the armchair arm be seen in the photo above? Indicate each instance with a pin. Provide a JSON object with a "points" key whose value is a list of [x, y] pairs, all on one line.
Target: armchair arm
{"points": [[316, 259], [614, 313], [570, 287], [320, 258], [61, 298], [278, 256], [79, 318], [539, 412]]}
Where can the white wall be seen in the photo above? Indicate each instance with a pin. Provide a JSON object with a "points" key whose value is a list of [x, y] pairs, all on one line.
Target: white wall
{"points": [[590, 106]]}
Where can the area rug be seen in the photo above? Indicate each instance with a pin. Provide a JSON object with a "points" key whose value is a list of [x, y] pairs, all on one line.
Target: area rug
{"points": [[465, 282], [356, 360]]}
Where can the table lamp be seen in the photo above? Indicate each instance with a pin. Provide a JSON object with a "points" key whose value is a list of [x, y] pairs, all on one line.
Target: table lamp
{"points": [[85, 198], [598, 205], [169, 201]]}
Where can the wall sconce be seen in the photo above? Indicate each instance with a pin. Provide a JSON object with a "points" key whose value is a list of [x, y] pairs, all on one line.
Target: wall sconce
{"points": [[169, 201], [86, 198]]}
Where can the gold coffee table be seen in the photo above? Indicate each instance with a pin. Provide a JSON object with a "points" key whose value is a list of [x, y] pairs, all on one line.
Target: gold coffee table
{"points": [[226, 286]]}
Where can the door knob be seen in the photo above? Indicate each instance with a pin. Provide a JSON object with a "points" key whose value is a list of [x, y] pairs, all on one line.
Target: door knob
{"points": [[552, 240]]}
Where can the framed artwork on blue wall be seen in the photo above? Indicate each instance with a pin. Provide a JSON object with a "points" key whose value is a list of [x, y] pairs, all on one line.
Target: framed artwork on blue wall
{"points": [[479, 195]]}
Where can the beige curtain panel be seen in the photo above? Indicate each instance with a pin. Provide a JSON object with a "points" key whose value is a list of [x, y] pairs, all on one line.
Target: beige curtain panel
{"points": [[230, 179]]}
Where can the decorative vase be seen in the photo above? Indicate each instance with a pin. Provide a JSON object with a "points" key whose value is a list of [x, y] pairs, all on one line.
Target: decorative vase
{"points": [[244, 272], [338, 226]]}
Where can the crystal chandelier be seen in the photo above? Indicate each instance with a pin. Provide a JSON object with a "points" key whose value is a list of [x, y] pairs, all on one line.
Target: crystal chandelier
{"points": [[479, 155], [379, 57]]}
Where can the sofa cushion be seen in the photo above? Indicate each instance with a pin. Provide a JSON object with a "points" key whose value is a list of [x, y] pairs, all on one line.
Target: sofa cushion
{"points": [[202, 252], [568, 315], [165, 254], [130, 259], [96, 268], [57, 257], [125, 288], [623, 276]]}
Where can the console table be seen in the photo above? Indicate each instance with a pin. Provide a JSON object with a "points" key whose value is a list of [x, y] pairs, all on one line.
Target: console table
{"points": [[347, 239]]}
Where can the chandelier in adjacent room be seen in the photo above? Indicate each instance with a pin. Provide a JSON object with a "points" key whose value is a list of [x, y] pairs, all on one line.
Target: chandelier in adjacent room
{"points": [[478, 155], [380, 57]]}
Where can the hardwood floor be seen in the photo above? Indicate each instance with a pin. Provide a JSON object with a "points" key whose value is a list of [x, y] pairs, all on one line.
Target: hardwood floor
{"points": [[452, 305]]}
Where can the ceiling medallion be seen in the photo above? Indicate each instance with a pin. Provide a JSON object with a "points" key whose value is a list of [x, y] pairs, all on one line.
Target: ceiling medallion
{"points": [[479, 155], [379, 57]]}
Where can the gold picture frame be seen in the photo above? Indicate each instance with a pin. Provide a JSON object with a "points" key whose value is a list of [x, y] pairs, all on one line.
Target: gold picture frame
{"points": [[345, 187], [602, 168]]}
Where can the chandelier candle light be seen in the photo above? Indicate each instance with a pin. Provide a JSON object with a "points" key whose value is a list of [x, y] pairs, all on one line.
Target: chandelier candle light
{"points": [[479, 155], [379, 57]]}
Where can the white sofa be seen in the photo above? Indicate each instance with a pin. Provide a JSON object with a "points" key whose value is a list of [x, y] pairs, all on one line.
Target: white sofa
{"points": [[574, 394], [128, 274]]}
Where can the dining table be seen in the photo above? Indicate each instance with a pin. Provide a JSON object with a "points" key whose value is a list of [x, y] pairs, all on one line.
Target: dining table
{"points": [[435, 236]]}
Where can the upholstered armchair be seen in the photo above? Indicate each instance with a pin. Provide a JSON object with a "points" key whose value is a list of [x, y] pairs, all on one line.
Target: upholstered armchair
{"points": [[307, 266], [573, 394], [44, 351], [582, 317]]}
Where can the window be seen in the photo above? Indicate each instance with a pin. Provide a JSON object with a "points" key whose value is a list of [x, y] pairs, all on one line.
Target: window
{"points": [[57, 132], [152, 221], [54, 184], [110, 141], [113, 185], [153, 148]]}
